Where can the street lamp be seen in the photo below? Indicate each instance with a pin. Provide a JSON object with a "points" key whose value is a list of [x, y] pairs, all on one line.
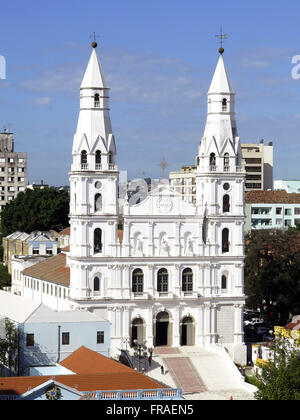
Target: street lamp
{"points": [[126, 341], [140, 350]]}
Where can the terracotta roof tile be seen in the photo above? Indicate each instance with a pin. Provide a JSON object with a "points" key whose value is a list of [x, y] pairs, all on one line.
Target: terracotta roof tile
{"points": [[53, 270], [272, 197], [84, 360], [93, 372], [65, 231]]}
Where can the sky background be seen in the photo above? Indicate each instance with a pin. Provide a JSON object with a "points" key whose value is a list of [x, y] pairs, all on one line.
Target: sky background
{"points": [[158, 58]]}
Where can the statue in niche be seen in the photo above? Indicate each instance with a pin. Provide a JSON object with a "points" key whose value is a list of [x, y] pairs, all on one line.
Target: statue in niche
{"points": [[139, 246], [164, 246], [189, 246]]}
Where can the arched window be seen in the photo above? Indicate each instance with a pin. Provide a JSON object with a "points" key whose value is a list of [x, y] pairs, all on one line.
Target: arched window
{"points": [[162, 280], [212, 159], [110, 157], [97, 240], [96, 100], [224, 105], [226, 160], [137, 281], [224, 282], [225, 240], [226, 203], [96, 284], [84, 157], [98, 202], [98, 157], [187, 280]]}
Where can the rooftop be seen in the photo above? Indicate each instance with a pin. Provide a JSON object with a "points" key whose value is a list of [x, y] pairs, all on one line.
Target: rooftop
{"points": [[272, 197], [93, 372], [53, 270]]}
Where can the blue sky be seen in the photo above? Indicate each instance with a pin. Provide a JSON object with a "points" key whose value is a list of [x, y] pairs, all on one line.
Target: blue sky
{"points": [[158, 58]]}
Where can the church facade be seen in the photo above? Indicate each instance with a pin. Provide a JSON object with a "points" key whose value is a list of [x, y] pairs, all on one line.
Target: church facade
{"points": [[176, 276]]}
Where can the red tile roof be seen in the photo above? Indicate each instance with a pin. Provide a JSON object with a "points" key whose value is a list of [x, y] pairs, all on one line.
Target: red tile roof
{"points": [[107, 375], [65, 231], [272, 197], [53, 269]]}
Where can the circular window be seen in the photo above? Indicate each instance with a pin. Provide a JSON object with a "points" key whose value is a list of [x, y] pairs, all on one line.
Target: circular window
{"points": [[98, 185], [226, 186]]}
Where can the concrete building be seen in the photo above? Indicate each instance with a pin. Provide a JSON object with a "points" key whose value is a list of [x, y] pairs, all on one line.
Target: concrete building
{"points": [[47, 337], [26, 244], [259, 165], [289, 185], [271, 209], [13, 169]]}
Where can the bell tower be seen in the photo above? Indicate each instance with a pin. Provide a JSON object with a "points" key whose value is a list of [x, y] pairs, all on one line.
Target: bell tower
{"points": [[93, 181]]}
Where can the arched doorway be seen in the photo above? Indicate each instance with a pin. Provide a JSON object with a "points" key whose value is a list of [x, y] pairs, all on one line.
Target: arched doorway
{"points": [[162, 329], [137, 331], [187, 331]]}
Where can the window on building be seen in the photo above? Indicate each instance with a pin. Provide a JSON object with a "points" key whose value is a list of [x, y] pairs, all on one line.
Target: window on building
{"points": [[137, 281], [65, 338], [278, 221], [224, 105], [98, 157], [35, 251], [30, 340], [226, 203], [226, 160], [287, 223], [224, 282], [278, 210], [187, 280], [97, 240], [162, 280], [225, 240], [100, 337], [212, 159], [98, 202], [96, 100], [83, 157], [110, 157], [288, 212], [96, 284], [296, 210]]}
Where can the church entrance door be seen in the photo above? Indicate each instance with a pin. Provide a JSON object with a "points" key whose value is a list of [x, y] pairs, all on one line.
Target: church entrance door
{"points": [[162, 329], [187, 332]]}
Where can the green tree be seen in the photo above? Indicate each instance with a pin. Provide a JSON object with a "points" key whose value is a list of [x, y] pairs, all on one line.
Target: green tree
{"points": [[272, 273], [9, 346], [38, 209], [5, 277], [280, 376]]}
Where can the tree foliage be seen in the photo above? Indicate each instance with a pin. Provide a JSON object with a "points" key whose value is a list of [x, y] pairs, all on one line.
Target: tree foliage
{"points": [[272, 273], [5, 277], [280, 376], [37, 209], [9, 345]]}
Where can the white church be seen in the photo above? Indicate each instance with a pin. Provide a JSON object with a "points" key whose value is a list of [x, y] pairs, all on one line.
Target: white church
{"points": [[175, 276]]}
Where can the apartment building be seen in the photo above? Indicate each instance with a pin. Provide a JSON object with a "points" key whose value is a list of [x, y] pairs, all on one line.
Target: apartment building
{"points": [[13, 169], [259, 165]]}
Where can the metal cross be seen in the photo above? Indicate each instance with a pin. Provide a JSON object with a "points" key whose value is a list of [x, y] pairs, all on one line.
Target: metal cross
{"points": [[94, 36], [222, 37], [163, 164]]}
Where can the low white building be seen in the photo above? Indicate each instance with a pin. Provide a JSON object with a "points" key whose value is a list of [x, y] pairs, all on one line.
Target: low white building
{"points": [[271, 209]]}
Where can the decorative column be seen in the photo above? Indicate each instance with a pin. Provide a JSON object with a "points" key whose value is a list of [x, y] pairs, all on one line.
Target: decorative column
{"points": [[238, 324]]}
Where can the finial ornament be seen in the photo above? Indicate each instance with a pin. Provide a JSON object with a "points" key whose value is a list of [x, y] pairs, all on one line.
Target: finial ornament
{"points": [[94, 43], [163, 164], [221, 37]]}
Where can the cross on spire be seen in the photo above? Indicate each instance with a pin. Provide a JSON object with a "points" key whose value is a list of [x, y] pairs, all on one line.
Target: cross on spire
{"points": [[221, 37], [94, 37], [163, 164]]}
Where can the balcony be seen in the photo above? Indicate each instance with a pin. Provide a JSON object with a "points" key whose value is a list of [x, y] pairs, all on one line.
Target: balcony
{"points": [[84, 166]]}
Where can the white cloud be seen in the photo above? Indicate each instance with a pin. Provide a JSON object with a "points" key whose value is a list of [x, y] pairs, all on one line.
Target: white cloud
{"points": [[43, 101]]}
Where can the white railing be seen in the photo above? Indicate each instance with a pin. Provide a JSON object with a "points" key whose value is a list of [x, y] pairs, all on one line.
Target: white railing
{"points": [[84, 166]]}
